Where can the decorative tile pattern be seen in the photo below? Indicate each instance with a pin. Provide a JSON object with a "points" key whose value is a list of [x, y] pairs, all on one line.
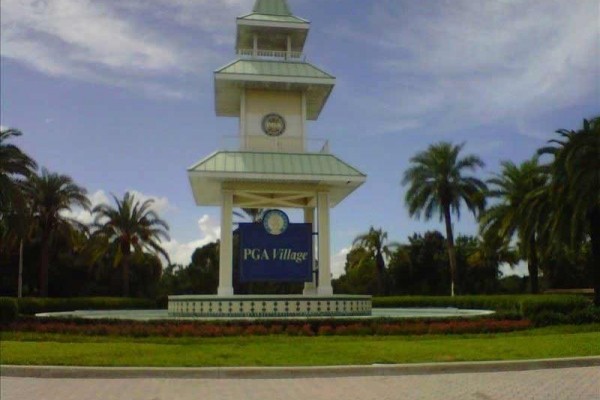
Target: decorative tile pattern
{"points": [[269, 306]]}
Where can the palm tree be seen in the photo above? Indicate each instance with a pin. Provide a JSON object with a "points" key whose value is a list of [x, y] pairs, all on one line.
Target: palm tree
{"points": [[15, 166], [438, 184], [253, 214], [377, 248], [575, 189], [130, 227], [515, 214], [51, 195]]}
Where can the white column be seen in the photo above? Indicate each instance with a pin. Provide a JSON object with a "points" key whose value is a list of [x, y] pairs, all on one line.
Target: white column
{"points": [[243, 136], [226, 246], [304, 133], [324, 288], [310, 288]]}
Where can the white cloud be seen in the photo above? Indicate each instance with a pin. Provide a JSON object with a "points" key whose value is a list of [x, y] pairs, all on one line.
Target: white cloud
{"points": [[449, 65], [88, 33], [3, 128], [86, 217], [99, 42], [214, 18], [519, 270], [338, 262], [160, 205], [181, 253]]}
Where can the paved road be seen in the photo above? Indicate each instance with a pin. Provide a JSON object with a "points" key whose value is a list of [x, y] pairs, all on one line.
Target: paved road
{"points": [[560, 384]]}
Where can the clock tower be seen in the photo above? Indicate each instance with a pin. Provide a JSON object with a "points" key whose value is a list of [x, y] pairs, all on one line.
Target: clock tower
{"points": [[273, 90], [271, 87]]}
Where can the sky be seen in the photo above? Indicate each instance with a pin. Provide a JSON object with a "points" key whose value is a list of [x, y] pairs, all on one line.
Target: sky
{"points": [[119, 94]]}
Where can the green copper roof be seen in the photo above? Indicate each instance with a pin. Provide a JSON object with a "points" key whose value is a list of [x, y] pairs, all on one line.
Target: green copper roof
{"points": [[272, 7], [273, 18], [274, 68], [310, 164]]}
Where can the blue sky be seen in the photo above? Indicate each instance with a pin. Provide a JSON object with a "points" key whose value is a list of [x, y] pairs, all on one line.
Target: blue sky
{"points": [[118, 94]]}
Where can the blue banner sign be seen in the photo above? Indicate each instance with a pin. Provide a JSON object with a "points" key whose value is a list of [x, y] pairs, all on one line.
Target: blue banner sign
{"points": [[282, 257]]}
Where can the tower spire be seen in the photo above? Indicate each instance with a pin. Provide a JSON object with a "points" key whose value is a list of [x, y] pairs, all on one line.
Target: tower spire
{"points": [[272, 7]]}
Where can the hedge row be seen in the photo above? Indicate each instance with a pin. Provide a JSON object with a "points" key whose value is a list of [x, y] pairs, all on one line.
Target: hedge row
{"points": [[8, 310], [526, 306], [541, 309], [36, 305]]}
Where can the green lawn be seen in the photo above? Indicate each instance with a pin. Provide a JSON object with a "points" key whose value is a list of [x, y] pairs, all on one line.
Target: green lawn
{"points": [[37, 349]]}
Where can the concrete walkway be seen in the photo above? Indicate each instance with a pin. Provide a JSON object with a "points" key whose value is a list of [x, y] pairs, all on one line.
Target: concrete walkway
{"points": [[561, 379]]}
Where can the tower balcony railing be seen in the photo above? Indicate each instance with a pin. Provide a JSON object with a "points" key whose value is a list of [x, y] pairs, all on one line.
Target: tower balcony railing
{"points": [[271, 54], [262, 143]]}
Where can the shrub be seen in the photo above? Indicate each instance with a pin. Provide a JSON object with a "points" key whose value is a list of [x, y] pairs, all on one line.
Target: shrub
{"points": [[36, 305], [504, 303], [532, 306], [275, 330], [9, 310], [546, 317], [256, 330], [325, 330], [508, 306]]}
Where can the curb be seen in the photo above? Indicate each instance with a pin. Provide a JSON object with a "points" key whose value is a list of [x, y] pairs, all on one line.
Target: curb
{"points": [[51, 372]]}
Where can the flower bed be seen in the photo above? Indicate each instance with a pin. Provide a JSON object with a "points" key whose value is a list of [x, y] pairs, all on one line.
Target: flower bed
{"points": [[319, 328]]}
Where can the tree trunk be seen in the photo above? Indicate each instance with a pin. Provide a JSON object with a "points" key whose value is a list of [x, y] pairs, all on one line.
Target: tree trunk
{"points": [[44, 261], [533, 265], [125, 271], [595, 238], [451, 251], [20, 278], [380, 265]]}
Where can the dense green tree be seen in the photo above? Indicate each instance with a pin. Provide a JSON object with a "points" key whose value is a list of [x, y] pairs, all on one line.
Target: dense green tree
{"points": [[131, 227], [429, 261], [375, 242], [421, 266], [479, 261], [401, 270], [201, 276], [566, 267], [360, 273], [50, 195], [438, 184], [513, 215], [575, 171]]}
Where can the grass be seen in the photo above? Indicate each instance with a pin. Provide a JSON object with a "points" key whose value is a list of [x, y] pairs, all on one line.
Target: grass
{"points": [[57, 349]]}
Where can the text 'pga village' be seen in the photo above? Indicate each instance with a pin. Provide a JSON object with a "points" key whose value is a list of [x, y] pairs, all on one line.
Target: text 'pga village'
{"points": [[287, 255]]}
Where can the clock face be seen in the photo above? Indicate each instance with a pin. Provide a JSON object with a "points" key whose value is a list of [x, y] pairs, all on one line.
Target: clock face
{"points": [[273, 125]]}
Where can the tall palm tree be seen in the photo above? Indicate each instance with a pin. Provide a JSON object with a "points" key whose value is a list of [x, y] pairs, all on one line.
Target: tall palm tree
{"points": [[51, 195], [437, 184], [375, 242], [130, 227], [515, 213], [575, 189], [15, 167]]}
